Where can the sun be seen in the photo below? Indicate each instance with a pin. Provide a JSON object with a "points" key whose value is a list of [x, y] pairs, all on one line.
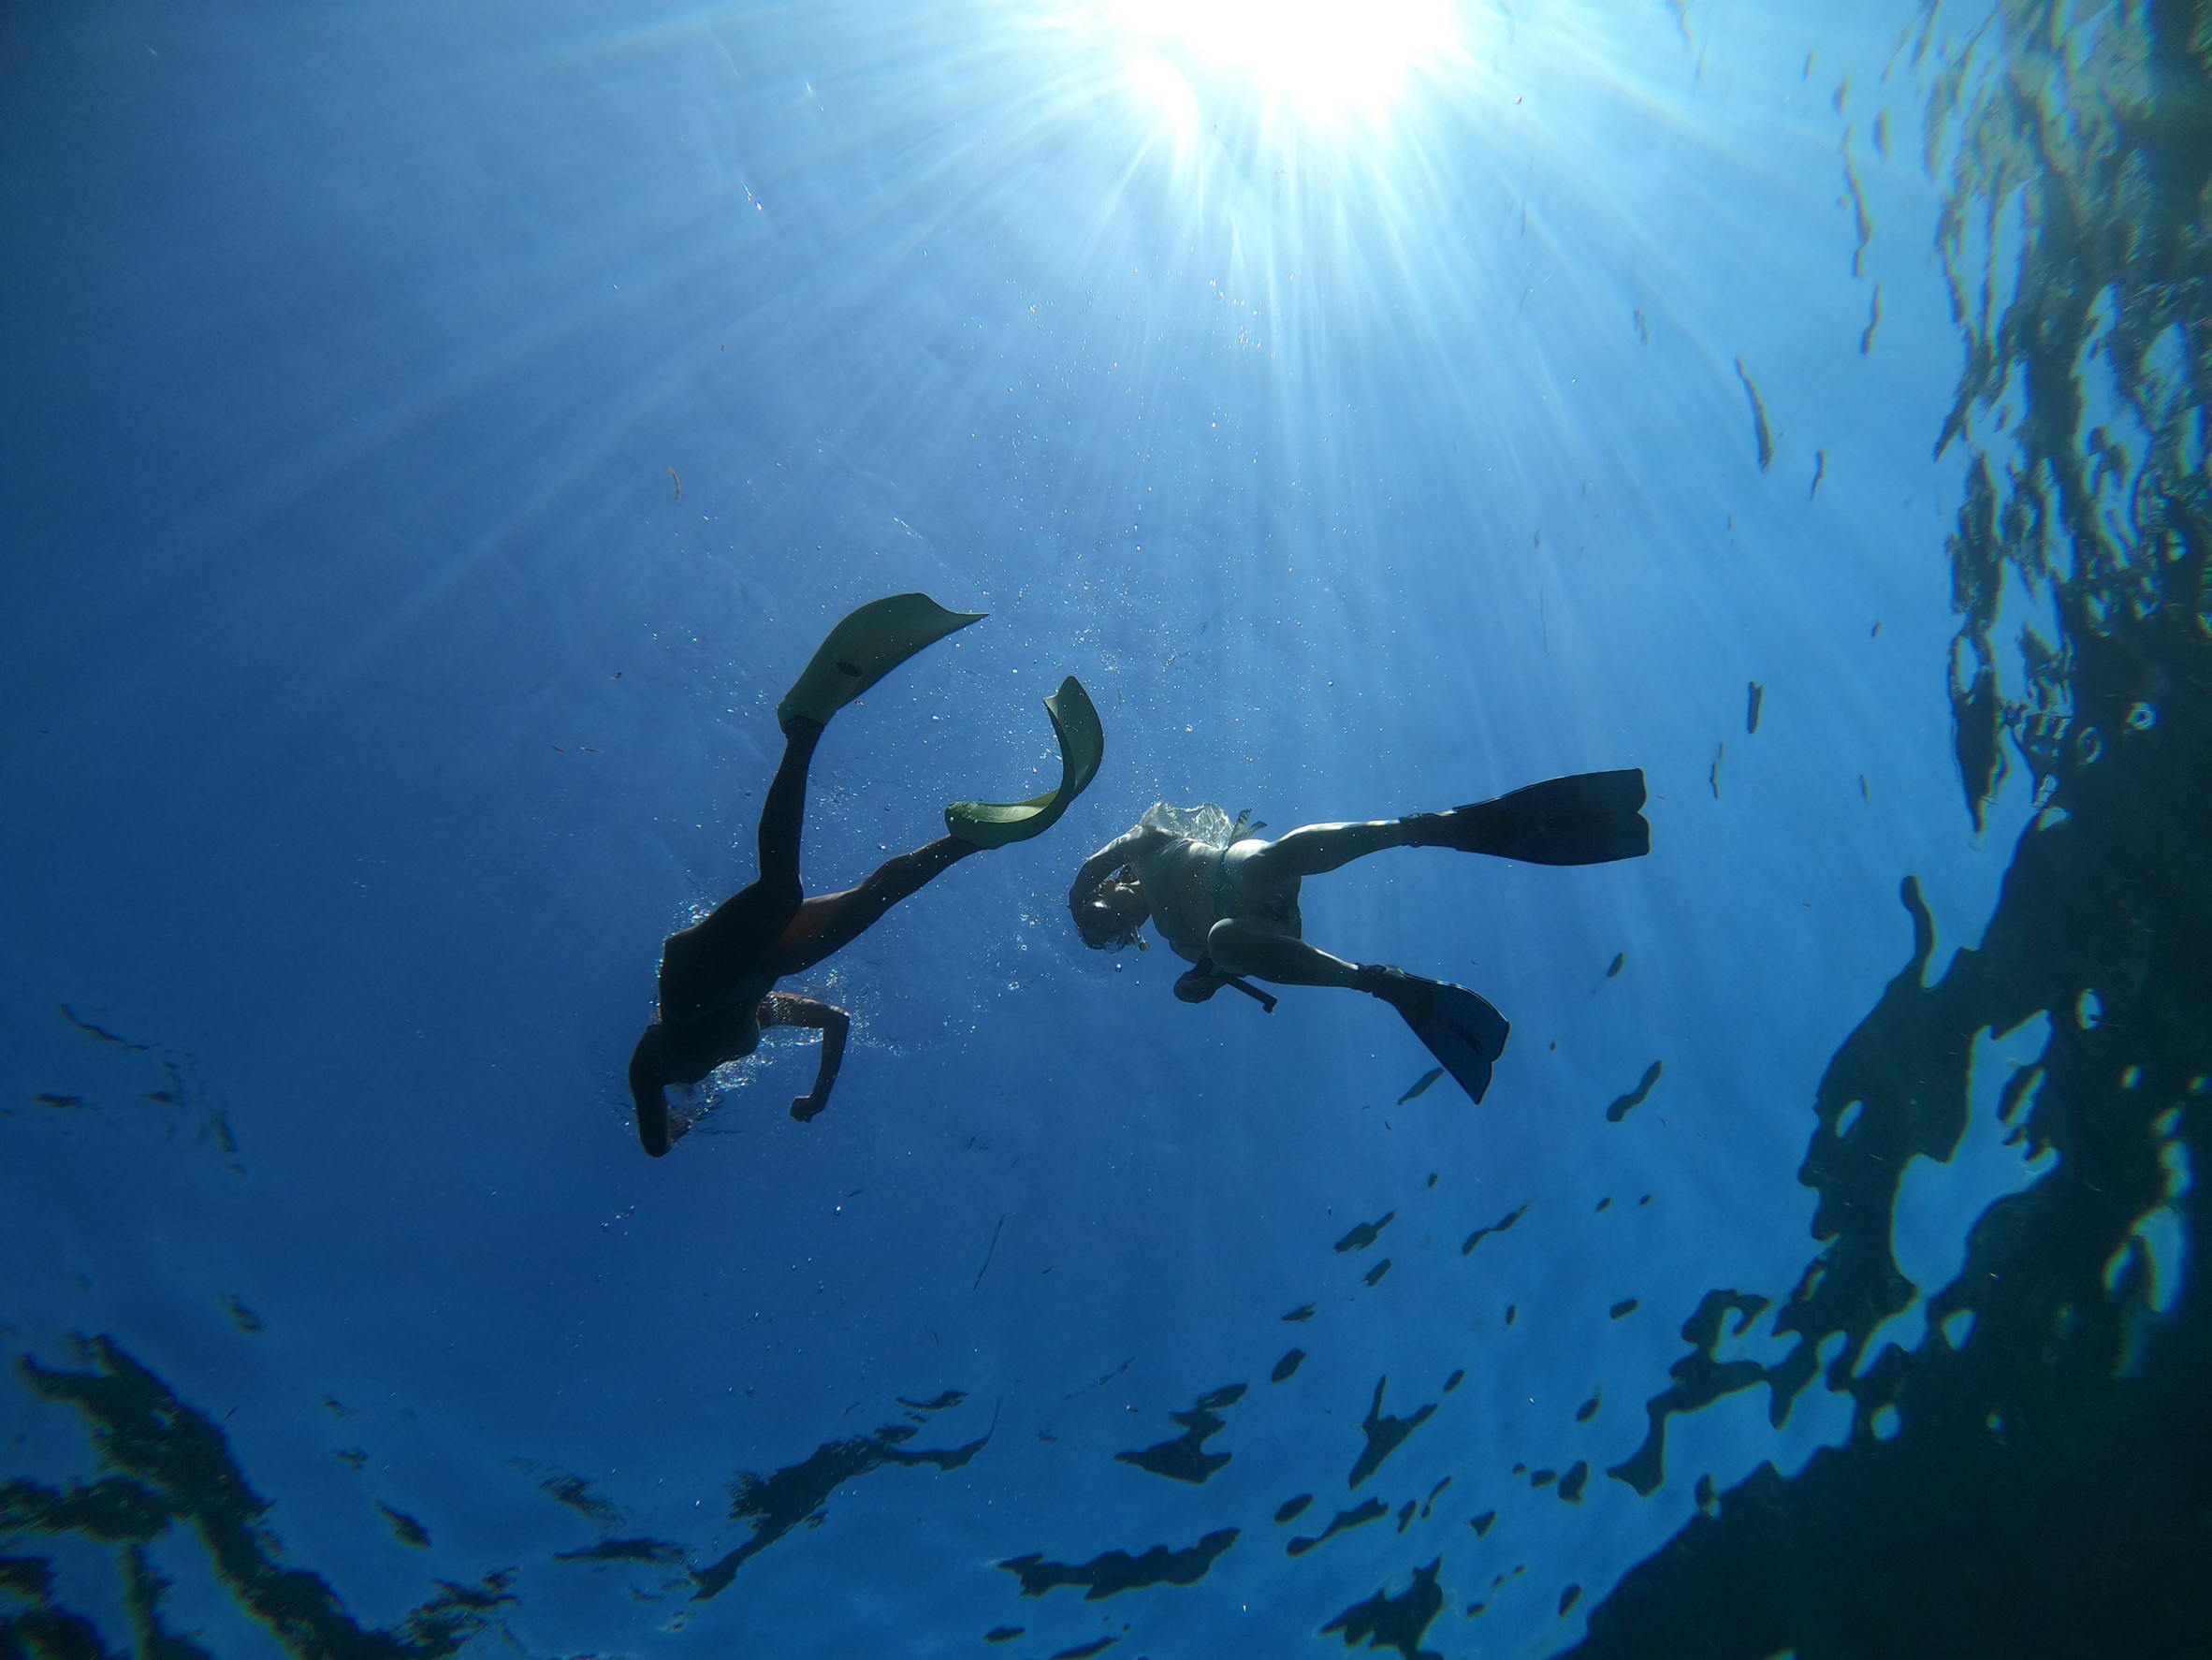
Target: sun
{"points": [[1325, 62]]}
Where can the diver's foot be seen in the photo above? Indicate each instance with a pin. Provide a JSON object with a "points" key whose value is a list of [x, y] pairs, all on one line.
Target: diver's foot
{"points": [[1483, 828], [1592, 818], [864, 648], [1409, 994]]}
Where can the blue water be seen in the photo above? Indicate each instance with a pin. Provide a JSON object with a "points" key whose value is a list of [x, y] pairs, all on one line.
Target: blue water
{"points": [[435, 439]]}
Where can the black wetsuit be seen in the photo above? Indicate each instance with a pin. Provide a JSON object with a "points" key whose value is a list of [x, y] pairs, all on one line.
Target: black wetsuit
{"points": [[717, 976]]}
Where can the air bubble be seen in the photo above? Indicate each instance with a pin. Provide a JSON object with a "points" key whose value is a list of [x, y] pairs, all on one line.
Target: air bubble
{"points": [[2142, 717], [2088, 745]]}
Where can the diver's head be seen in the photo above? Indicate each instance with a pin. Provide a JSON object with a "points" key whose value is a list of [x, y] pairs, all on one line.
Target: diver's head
{"points": [[1110, 918]]}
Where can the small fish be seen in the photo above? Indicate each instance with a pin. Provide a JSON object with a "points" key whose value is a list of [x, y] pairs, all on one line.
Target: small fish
{"points": [[1421, 1084], [1643, 329], [1866, 341], [1862, 221], [674, 479], [1761, 432], [1750, 716], [1619, 961], [1820, 468]]}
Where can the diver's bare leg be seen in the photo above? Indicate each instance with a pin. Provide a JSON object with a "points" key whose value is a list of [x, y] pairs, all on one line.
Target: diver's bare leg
{"points": [[1260, 953], [1315, 850], [827, 924]]}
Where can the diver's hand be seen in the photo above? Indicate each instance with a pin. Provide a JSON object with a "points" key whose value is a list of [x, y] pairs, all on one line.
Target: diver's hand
{"points": [[1197, 985], [806, 1106]]}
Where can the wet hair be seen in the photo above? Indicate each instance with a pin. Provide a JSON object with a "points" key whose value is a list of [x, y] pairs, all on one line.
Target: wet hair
{"points": [[1103, 927]]}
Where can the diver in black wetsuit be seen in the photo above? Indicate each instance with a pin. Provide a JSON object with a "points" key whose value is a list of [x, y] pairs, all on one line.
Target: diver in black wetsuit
{"points": [[1227, 901], [716, 977]]}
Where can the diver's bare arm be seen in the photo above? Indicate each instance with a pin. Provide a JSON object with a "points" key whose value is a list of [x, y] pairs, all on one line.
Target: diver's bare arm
{"points": [[832, 1023], [1109, 859]]}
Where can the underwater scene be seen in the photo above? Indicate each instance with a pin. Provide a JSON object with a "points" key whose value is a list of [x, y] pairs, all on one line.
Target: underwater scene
{"points": [[1155, 828]]}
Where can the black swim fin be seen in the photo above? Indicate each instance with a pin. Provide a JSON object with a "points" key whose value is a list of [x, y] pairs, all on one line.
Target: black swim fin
{"points": [[1462, 1031], [1592, 818]]}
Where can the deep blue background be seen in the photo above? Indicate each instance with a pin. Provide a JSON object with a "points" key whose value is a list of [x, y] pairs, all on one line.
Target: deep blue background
{"points": [[373, 705]]}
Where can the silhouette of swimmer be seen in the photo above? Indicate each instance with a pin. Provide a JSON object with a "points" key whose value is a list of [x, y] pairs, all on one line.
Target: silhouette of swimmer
{"points": [[1227, 900], [716, 977]]}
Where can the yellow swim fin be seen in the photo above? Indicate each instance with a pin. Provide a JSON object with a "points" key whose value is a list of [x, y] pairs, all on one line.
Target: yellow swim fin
{"points": [[862, 648], [1083, 746]]}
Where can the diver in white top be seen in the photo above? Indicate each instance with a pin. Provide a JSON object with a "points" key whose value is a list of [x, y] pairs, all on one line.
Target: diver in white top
{"points": [[1227, 901]]}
